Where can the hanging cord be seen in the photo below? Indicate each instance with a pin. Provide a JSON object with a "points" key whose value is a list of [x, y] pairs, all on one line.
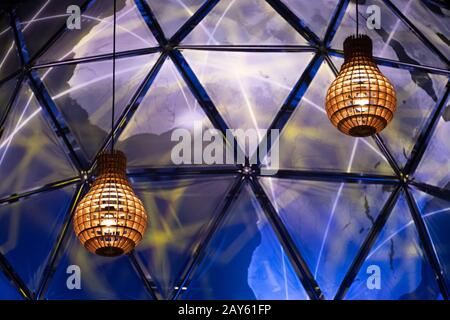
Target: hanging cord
{"points": [[357, 18], [113, 77]]}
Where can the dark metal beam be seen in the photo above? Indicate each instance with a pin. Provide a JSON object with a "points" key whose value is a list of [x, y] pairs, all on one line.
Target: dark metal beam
{"points": [[48, 187], [57, 122], [180, 172], [19, 39], [365, 248], [291, 102], [102, 57], [145, 277], [15, 278], [61, 241], [132, 107], [417, 32], [427, 133], [294, 21], [207, 235], [427, 244], [335, 22], [434, 191], [193, 21], [151, 22], [51, 112], [398, 64], [11, 76], [249, 48], [87, 4], [388, 154], [298, 262], [330, 176]]}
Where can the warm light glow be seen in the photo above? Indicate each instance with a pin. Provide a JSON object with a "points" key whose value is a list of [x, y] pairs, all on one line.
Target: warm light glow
{"points": [[110, 220], [361, 101]]}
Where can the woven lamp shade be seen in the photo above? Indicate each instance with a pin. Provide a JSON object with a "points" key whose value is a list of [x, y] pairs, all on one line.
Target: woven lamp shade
{"points": [[361, 101], [110, 220]]}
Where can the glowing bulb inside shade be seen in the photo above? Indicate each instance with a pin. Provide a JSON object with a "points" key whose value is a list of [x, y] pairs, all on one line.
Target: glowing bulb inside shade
{"points": [[108, 222], [361, 104]]}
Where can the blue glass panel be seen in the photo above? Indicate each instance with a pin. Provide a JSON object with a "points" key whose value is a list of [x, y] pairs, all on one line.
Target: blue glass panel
{"points": [[96, 33], [101, 278], [41, 19], [393, 40], [6, 91], [246, 89], [310, 141], [316, 15], [328, 222], [404, 271], [28, 231], [172, 14], [431, 17], [434, 167], [169, 105], [436, 213], [176, 223], [83, 93], [30, 153], [244, 22], [7, 289], [245, 260]]}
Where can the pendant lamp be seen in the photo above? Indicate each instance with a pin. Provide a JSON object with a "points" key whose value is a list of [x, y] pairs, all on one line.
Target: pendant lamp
{"points": [[110, 220], [361, 101]]}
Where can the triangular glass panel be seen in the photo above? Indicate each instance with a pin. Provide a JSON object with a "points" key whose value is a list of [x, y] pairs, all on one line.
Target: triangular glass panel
{"points": [[316, 15], [392, 40], [148, 139], [95, 36], [434, 167], [31, 155], [436, 214], [396, 267], [431, 18], [172, 14], [244, 259], [417, 95], [9, 57], [310, 141], [40, 20], [81, 275], [6, 92], [83, 93], [328, 222], [254, 90], [29, 229], [244, 22], [7, 289], [176, 222]]}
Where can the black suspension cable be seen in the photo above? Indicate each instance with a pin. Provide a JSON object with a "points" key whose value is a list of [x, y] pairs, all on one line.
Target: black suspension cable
{"points": [[113, 77], [357, 18]]}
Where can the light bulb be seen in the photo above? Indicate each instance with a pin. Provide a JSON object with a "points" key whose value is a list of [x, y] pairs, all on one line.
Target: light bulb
{"points": [[110, 220], [361, 101]]}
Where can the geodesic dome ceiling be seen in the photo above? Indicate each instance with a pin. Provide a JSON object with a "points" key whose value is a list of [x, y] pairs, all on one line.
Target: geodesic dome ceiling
{"points": [[337, 206]]}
